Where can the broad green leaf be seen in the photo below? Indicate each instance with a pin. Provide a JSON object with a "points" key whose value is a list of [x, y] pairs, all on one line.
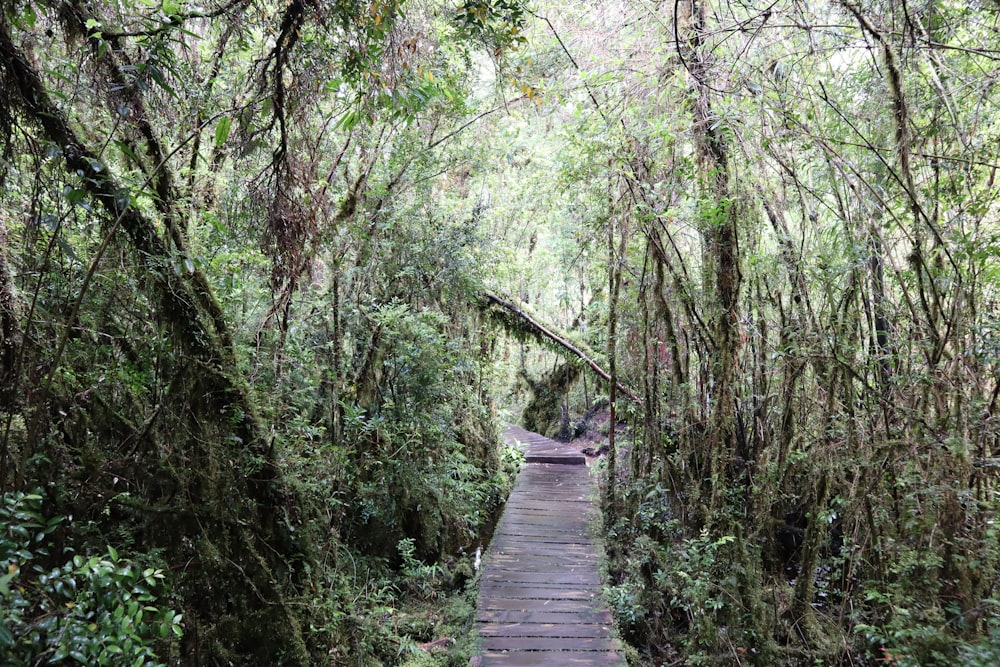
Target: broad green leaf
{"points": [[66, 248], [29, 17], [222, 131], [156, 74]]}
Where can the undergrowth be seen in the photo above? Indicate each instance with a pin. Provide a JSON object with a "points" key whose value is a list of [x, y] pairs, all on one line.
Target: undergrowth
{"points": [[373, 613], [679, 593]]}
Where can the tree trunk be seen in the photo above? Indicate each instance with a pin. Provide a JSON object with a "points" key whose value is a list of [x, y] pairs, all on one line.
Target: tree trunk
{"points": [[614, 288], [10, 342], [220, 489], [719, 230]]}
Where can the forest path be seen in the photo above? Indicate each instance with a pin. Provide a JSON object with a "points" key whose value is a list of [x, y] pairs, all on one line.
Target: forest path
{"points": [[540, 600]]}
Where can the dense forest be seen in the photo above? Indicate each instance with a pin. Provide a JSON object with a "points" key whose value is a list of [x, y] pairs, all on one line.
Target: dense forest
{"points": [[273, 275]]}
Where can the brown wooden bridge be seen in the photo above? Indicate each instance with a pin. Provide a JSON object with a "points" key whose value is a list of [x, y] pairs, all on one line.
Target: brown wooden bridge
{"points": [[540, 600]]}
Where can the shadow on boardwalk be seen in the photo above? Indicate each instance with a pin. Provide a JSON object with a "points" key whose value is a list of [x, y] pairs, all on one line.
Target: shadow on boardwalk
{"points": [[540, 599]]}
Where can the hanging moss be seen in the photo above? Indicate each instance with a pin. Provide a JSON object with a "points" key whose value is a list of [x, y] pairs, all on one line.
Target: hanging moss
{"points": [[524, 326]]}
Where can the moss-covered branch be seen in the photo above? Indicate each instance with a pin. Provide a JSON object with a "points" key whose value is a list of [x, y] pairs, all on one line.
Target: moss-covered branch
{"points": [[520, 323]]}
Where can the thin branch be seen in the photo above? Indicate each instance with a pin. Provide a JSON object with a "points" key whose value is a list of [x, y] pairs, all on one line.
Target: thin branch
{"points": [[435, 144], [175, 21]]}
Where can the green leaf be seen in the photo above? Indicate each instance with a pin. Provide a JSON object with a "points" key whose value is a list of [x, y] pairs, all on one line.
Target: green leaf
{"points": [[6, 638], [67, 249], [29, 17], [156, 74], [5, 586], [349, 120], [222, 131], [124, 147], [74, 195]]}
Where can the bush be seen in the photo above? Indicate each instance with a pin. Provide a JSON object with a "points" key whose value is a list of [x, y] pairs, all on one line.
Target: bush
{"points": [[92, 610]]}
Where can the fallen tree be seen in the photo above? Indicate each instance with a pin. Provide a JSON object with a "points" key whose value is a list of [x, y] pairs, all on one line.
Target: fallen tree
{"points": [[520, 323]]}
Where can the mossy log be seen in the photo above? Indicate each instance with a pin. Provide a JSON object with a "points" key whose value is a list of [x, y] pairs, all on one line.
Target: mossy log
{"points": [[542, 414], [522, 325]]}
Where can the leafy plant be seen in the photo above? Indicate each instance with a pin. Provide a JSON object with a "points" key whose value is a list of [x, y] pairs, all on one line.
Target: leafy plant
{"points": [[418, 575], [91, 610]]}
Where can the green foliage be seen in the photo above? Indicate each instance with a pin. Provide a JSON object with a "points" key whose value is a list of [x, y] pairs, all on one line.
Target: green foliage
{"points": [[906, 616], [499, 23], [684, 583], [370, 613], [396, 187], [96, 610], [417, 575], [984, 653]]}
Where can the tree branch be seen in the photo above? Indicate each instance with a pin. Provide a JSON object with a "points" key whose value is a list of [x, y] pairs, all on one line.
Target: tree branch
{"points": [[538, 330]]}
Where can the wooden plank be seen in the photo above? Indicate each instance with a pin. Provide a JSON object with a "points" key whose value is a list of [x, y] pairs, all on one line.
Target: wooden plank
{"points": [[548, 644], [515, 514], [545, 630], [585, 615], [547, 659], [543, 512], [570, 578], [522, 606], [514, 592], [537, 589], [573, 538], [519, 517], [547, 553], [514, 543], [535, 629], [526, 542], [539, 449], [533, 567], [537, 566], [562, 558], [542, 530], [582, 553], [542, 534]]}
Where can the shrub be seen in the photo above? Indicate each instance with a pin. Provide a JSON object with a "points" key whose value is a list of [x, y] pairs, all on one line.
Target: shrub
{"points": [[92, 610]]}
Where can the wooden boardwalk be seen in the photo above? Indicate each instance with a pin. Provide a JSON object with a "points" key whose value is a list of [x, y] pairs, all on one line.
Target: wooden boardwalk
{"points": [[540, 599]]}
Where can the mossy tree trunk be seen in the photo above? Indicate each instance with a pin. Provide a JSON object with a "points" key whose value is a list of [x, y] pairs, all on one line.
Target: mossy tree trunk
{"points": [[719, 231], [215, 498], [542, 414]]}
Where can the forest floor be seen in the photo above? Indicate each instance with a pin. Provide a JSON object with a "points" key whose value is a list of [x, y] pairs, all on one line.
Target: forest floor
{"points": [[592, 435]]}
